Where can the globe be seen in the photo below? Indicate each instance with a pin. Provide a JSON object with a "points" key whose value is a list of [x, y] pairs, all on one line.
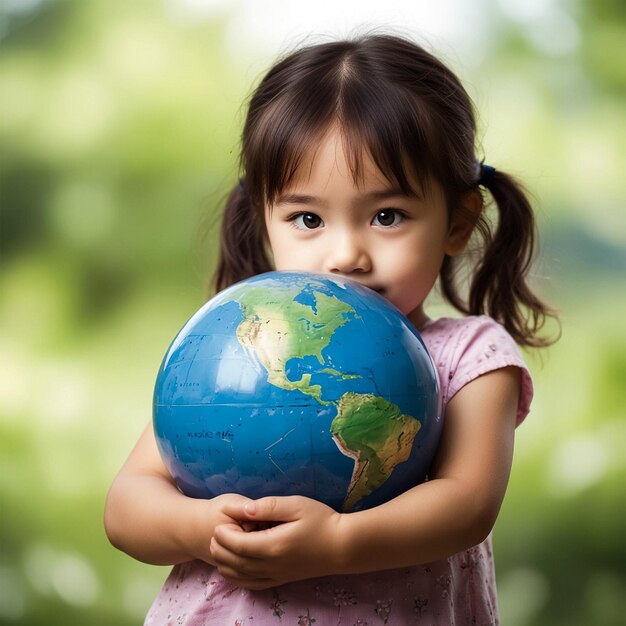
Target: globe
{"points": [[292, 383]]}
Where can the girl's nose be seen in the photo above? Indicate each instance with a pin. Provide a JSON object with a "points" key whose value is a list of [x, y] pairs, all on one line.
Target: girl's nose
{"points": [[348, 254]]}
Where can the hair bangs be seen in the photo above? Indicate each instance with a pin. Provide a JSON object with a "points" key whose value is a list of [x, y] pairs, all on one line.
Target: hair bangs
{"points": [[286, 136], [388, 124], [379, 120]]}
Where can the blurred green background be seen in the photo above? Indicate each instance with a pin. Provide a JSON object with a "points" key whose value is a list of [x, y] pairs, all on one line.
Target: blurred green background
{"points": [[118, 131]]}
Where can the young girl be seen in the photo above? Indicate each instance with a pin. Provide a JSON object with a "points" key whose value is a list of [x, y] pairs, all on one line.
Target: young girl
{"points": [[358, 160]]}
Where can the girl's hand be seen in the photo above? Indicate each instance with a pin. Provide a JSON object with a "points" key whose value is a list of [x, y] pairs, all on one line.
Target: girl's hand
{"points": [[216, 514], [302, 542]]}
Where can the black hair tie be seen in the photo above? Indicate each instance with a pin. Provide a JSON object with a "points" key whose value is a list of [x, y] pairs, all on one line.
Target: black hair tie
{"points": [[242, 185], [487, 172]]}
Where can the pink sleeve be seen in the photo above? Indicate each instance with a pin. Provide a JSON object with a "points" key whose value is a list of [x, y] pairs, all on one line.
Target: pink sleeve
{"points": [[484, 346]]}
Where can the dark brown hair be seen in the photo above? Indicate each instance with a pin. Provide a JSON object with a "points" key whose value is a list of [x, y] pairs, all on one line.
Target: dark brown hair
{"points": [[400, 104]]}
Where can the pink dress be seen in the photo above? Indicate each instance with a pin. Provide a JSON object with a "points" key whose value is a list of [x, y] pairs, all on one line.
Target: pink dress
{"points": [[458, 590]]}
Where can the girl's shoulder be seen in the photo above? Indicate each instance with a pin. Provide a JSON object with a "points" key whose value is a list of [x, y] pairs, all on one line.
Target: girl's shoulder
{"points": [[467, 347], [458, 338]]}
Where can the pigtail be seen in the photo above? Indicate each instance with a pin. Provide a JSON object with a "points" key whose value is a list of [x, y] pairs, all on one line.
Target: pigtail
{"points": [[242, 242], [499, 286]]}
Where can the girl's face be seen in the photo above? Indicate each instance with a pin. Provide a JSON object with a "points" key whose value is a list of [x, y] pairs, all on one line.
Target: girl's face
{"points": [[372, 232]]}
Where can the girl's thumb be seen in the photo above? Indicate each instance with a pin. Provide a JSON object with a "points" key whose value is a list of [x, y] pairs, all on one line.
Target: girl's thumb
{"points": [[268, 509]]}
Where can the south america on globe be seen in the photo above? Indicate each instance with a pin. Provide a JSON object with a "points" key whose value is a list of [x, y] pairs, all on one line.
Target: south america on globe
{"points": [[293, 383]]}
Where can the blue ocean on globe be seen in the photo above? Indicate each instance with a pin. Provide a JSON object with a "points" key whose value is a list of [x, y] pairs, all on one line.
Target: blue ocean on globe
{"points": [[293, 383]]}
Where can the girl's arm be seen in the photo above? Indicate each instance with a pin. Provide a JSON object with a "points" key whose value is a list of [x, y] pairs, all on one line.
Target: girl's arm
{"points": [[147, 517], [453, 511]]}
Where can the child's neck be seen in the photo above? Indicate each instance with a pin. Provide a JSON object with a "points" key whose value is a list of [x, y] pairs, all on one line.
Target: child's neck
{"points": [[418, 318]]}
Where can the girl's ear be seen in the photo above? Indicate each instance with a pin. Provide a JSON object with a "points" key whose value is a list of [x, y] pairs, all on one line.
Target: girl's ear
{"points": [[462, 222]]}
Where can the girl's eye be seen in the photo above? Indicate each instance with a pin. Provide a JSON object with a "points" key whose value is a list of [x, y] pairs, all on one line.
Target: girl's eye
{"points": [[307, 221], [387, 217]]}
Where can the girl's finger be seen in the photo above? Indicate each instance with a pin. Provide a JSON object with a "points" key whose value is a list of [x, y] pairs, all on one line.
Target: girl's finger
{"points": [[254, 545], [272, 509], [254, 584], [244, 566], [249, 580]]}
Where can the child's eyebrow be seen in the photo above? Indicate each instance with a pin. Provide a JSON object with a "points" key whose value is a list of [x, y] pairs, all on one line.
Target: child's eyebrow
{"points": [[392, 192], [308, 200], [295, 198]]}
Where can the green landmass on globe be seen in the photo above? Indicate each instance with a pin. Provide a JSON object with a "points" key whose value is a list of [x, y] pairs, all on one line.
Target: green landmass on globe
{"points": [[278, 332], [367, 428], [376, 435]]}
